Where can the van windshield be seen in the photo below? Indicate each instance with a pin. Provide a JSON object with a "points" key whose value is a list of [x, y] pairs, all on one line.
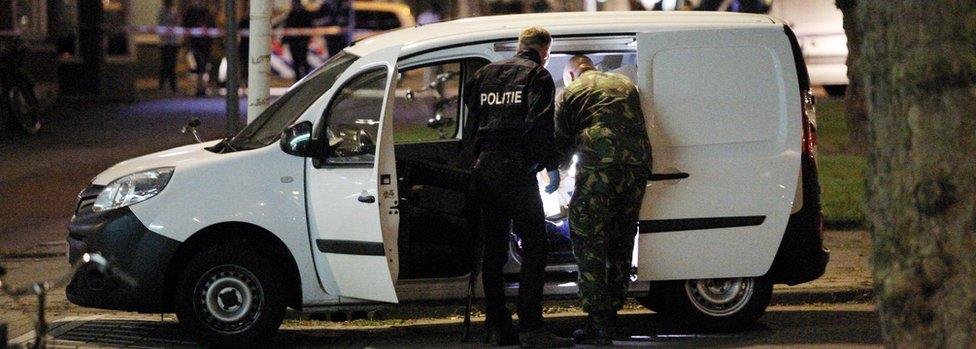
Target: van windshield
{"points": [[267, 127]]}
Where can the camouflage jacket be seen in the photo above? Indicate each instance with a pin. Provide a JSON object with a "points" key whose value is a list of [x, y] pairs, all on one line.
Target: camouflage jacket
{"points": [[599, 117]]}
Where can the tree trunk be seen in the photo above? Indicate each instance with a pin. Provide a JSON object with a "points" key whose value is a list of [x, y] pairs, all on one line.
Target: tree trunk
{"points": [[857, 114], [918, 69]]}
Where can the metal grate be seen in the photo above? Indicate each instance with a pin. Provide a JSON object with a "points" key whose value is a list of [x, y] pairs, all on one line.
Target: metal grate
{"points": [[114, 333]]}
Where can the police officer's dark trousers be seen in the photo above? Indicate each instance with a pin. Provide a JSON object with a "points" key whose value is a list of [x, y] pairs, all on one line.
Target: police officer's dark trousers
{"points": [[510, 201]]}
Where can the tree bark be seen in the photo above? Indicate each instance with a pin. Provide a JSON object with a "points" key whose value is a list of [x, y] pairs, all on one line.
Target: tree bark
{"points": [[857, 114], [918, 69]]}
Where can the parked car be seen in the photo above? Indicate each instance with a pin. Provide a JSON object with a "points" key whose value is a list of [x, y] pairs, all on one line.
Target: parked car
{"points": [[349, 190], [819, 27], [371, 18]]}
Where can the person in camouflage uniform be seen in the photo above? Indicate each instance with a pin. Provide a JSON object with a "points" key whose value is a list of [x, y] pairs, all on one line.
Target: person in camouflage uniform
{"points": [[599, 118]]}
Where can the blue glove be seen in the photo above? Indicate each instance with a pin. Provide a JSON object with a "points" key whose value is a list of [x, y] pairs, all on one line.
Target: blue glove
{"points": [[553, 182]]}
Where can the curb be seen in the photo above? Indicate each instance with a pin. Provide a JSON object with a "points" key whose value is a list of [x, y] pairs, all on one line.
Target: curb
{"points": [[828, 295], [48, 249]]}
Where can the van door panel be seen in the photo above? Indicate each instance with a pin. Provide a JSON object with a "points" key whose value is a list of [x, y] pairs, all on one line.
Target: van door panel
{"points": [[718, 105], [352, 209], [730, 116]]}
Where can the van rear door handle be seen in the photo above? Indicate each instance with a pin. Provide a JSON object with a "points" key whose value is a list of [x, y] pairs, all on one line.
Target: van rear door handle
{"points": [[667, 176], [367, 199]]}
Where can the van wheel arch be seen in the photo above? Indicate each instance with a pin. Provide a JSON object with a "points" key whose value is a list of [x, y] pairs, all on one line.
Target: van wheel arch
{"points": [[262, 240]]}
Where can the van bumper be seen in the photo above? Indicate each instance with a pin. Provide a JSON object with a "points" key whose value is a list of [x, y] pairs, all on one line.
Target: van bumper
{"points": [[130, 247], [802, 256]]}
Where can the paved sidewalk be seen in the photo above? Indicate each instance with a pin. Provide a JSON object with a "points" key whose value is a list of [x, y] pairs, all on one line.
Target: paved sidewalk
{"points": [[847, 281], [816, 326]]}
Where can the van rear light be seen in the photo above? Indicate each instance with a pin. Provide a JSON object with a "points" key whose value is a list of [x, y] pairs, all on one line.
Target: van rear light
{"points": [[809, 124]]}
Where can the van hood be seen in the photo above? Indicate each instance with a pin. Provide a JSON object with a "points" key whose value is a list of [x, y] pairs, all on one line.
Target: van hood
{"points": [[166, 158]]}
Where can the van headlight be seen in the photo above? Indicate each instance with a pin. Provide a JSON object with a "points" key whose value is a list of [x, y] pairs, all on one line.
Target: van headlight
{"points": [[133, 188]]}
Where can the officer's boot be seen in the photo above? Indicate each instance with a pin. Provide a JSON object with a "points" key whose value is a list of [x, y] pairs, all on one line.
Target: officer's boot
{"points": [[542, 338], [596, 331], [500, 333]]}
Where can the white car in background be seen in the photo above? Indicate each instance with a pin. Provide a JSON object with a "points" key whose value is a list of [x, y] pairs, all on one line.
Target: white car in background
{"points": [[371, 18], [819, 28]]}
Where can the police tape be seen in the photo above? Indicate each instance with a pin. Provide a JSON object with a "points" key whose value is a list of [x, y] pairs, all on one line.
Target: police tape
{"points": [[199, 32]]}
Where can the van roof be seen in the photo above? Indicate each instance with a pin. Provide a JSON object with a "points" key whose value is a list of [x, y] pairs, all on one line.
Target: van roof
{"points": [[474, 29]]}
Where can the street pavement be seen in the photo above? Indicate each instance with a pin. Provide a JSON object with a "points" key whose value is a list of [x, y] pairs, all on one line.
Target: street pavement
{"points": [[842, 325], [833, 311], [40, 176]]}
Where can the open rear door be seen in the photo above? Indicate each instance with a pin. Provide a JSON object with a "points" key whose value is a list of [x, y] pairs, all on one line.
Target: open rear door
{"points": [[723, 113], [352, 195]]}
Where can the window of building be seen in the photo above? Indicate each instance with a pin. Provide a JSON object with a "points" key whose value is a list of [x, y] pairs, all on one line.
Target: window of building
{"points": [[7, 17], [24, 18]]}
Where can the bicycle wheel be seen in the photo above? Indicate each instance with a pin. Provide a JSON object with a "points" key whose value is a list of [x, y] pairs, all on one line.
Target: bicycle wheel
{"points": [[22, 110]]}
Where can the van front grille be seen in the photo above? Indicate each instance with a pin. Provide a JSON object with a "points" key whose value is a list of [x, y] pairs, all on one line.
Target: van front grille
{"points": [[86, 206], [86, 200]]}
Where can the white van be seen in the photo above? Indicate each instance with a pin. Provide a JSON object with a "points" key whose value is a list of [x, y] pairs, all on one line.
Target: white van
{"points": [[350, 190]]}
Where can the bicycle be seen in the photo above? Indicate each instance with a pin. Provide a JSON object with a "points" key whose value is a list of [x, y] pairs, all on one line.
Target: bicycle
{"points": [[41, 288], [18, 102]]}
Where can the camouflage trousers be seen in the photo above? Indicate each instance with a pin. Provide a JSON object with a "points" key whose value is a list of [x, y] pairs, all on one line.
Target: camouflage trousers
{"points": [[603, 224]]}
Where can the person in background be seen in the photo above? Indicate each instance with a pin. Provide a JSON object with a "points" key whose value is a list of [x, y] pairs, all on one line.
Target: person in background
{"points": [[672, 5], [169, 45], [516, 7], [540, 6], [63, 29], [301, 16], [599, 119], [198, 15], [432, 13], [744, 6], [244, 49], [341, 14], [512, 103]]}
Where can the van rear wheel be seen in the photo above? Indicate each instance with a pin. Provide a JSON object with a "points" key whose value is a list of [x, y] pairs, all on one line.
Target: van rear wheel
{"points": [[712, 304], [229, 296]]}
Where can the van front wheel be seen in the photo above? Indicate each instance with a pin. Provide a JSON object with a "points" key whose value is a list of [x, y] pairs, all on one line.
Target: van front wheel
{"points": [[229, 296], [712, 304]]}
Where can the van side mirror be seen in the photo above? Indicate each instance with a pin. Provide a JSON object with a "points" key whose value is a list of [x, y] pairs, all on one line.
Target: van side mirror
{"points": [[191, 126], [297, 139]]}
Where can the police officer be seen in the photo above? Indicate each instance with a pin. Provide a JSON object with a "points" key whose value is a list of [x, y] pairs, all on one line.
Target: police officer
{"points": [[339, 13], [512, 103], [300, 16], [599, 118], [198, 15]]}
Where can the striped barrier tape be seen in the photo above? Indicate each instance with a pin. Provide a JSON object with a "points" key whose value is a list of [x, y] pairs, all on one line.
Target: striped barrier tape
{"points": [[219, 32]]}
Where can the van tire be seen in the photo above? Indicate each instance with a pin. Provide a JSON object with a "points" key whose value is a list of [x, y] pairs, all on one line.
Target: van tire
{"points": [[230, 296], [656, 299], [684, 301]]}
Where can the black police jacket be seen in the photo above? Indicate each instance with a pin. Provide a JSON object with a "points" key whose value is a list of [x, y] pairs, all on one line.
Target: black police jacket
{"points": [[513, 103]]}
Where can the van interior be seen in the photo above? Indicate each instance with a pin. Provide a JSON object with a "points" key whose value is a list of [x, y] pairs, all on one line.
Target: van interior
{"points": [[434, 154]]}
